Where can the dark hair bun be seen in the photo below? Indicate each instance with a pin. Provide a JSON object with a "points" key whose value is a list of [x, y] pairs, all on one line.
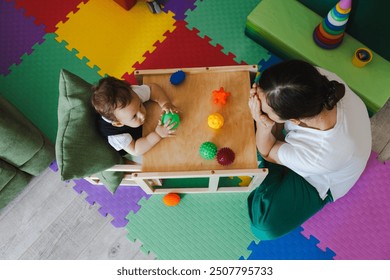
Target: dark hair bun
{"points": [[335, 91]]}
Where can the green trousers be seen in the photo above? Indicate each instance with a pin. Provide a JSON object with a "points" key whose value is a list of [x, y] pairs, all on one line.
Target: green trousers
{"points": [[282, 202]]}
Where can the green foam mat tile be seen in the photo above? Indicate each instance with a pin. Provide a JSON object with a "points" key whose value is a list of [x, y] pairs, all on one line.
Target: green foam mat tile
{"points": [[32, 86], [202, 226], [224, 22]]}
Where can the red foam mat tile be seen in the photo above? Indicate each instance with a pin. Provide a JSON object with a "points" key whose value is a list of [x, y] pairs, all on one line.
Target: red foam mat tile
{"points": [[183, 48], [49, 13]]}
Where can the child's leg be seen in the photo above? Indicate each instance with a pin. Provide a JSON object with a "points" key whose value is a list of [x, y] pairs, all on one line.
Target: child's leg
{"points": [[282, 203]]}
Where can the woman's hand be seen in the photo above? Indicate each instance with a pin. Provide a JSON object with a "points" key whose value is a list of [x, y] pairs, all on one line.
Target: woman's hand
{"points": [[255, 108], [254, 105]]}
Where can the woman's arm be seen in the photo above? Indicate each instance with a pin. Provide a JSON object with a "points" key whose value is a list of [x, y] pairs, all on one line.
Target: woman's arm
{"points": [[267, 133], [267, 145]]}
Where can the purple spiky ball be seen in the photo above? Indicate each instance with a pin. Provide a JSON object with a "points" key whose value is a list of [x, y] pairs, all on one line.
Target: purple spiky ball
{"points": [[225, 156]]}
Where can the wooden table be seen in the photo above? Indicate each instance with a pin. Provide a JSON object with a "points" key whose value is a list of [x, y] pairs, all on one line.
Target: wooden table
{"points": [[179, 157]]}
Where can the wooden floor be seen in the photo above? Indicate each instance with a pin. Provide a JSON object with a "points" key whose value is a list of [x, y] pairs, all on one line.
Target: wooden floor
{"points": [[49, 220]]}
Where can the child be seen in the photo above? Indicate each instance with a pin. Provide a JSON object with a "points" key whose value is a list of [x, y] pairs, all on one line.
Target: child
{"points": [[122, 115], [325, 150]]}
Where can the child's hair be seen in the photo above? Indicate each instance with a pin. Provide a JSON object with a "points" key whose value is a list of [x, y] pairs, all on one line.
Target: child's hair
{"points": [[109, 94], [295, 89]]}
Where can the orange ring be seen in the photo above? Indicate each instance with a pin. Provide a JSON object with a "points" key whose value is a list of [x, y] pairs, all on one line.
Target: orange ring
{"points": [[327, 41], [327, 35]]}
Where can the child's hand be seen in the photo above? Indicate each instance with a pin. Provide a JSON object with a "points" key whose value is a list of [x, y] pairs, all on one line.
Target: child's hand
{"points": [[169, 108], [166, 130]]}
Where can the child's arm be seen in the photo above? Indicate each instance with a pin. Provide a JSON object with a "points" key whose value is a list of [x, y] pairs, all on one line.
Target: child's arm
{"points": [[158, 95], [144, 144]]}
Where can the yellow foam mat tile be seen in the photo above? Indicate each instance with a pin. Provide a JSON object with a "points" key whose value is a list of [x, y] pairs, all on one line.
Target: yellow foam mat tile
{"points": [[111, 37]]}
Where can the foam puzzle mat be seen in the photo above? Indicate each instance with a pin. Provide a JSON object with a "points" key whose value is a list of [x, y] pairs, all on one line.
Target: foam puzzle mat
{"points": [[202, 226], [94, 38]]}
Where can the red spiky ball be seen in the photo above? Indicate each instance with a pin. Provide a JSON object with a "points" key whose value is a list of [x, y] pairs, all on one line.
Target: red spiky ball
{"points": [[225, 156]]}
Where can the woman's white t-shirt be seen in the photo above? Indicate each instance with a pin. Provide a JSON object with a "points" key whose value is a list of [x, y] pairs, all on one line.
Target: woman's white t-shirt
{"points": [[333, 159]]}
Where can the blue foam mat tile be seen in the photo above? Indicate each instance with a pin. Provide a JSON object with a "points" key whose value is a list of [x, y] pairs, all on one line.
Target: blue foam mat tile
{"points": [[264, 64], [293, 246]]}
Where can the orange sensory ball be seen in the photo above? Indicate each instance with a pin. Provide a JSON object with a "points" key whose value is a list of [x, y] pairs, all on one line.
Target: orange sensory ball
{"points": [[171, 199]]}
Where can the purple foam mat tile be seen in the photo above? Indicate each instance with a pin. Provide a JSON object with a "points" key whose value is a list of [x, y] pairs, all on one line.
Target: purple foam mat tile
{"points": [[178, 7], [118, 205], [54, 166], [357, 226], [18, 35]]}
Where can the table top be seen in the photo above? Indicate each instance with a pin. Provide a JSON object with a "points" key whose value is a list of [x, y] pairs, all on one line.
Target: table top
{"points": [[193, 97]]}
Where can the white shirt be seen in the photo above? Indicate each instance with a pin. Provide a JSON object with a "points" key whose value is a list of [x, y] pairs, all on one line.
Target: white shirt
{"points": [[121, 141], [333, 159]]}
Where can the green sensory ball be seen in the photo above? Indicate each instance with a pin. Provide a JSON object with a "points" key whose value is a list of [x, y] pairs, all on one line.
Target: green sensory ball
{"points": [[208, 150], [173, 117]]}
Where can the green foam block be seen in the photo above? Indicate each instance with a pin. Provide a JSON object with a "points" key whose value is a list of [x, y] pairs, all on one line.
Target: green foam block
{"points": [[286, 28]]}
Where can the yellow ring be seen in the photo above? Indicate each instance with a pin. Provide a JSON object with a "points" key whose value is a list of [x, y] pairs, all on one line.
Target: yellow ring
{"points": [[341, 11]]}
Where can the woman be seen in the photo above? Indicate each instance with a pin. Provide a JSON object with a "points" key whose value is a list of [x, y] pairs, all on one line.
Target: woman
{"points": [[325, 149]]}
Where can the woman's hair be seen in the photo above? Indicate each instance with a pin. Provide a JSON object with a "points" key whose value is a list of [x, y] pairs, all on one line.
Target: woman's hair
{"points": [[109, 94], [295, 89]]}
